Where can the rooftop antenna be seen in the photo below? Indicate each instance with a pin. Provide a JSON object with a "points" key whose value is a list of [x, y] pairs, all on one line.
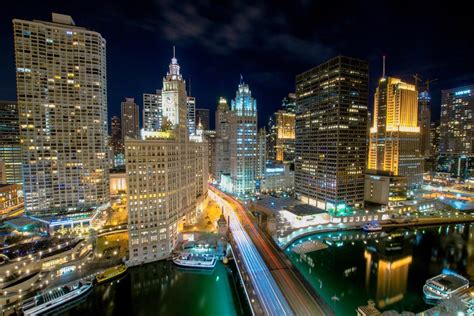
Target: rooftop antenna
{"points": [[383, 67], [241, 79]]}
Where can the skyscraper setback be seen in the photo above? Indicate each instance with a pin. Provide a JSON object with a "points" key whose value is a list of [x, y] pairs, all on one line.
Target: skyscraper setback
{"points": [[243, 141], [394, 146], [331, 131], [62, 101]]}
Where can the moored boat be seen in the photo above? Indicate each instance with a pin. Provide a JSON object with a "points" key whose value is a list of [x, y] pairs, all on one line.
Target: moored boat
{"points": [[444, 286], [372, 227], [55, 298], [111, 273], [195, 261]]}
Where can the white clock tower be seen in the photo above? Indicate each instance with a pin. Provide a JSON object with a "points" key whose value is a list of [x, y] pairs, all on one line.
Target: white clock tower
{"points": [[174, 95]]}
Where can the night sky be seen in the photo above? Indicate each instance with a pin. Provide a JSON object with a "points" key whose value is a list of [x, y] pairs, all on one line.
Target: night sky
{"points": [[267, 42]]}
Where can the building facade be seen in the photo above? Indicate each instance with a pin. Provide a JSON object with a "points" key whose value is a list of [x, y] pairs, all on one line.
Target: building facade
{"points": [[394, 145], [130, 119], [166, 177], [424, 122], [62, 100], [261, 153], [191, 115], [331, 132], [152, 111], [457, 132], [10, 148], [116, 142], [243, 141], [221, 165]]}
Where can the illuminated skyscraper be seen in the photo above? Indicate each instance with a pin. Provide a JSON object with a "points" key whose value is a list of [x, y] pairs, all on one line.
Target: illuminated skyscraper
{"points": [[166, 176], [116, 142], [424, 118], [222, 142], [152, 111], [457, 131], [10, 148], [457, 121], [285, 136], [243, 141], [62, 100], [331, 132], [191, 115], [394, 146], [130, 119]]}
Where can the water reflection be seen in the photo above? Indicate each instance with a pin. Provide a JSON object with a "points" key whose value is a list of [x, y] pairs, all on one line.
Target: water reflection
{"points": [[388, 267]]}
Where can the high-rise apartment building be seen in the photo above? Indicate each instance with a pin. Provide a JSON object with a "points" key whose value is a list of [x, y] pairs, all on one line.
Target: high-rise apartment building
{"points": [[457, 132], [10, 148], [191, 115], [118, 151], [152, 111], [130, 119], [424, 122], [331, 132], [243, 141], [166, 176], [394, 146], [62, 100], [202, 116], [457, 121], [221, 165]]}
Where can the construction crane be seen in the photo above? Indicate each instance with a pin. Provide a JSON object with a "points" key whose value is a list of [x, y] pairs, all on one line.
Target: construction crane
{"points": [[427, 83], [417, 79]]}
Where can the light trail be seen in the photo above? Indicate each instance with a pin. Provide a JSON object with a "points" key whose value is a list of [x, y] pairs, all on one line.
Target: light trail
{"points": [[267, 290]]}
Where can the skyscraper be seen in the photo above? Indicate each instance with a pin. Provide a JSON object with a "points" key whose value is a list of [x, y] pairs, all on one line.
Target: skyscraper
{"points": [[191, 115], [261, 153], [394, 146], [62, 100], [457, 121], [152, 111], [10, 148], [222, 142], [457, 131], [202, 115], [331, 131], [281, 132], [130, 119], [116, 141], [166, 176], [243, 141], [424, 122]]}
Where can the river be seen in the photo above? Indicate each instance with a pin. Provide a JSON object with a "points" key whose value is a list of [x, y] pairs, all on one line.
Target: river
{"points": [[388, 267], [163, 289]]}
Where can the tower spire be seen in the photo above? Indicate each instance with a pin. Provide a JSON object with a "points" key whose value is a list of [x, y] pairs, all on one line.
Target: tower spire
{"points": [[383, 67], [174, 51]]}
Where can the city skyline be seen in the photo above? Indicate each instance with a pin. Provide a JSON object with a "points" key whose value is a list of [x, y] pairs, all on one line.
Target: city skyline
{"points": [[324, 188], [271, 76]]}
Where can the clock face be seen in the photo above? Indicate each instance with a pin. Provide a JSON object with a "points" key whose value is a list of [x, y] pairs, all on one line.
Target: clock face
{"points": [[168, 100]]}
